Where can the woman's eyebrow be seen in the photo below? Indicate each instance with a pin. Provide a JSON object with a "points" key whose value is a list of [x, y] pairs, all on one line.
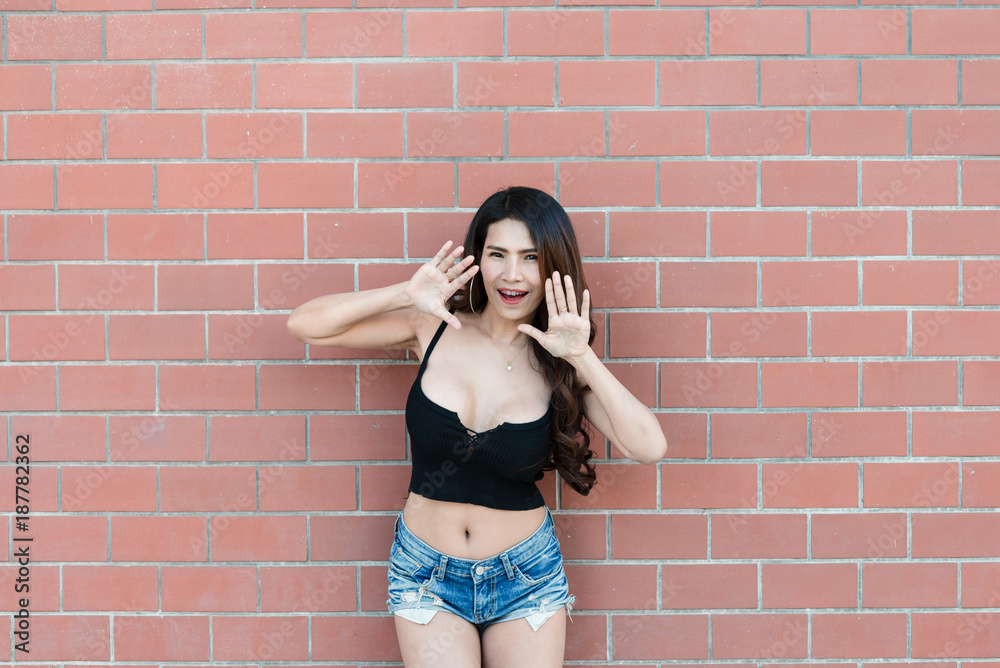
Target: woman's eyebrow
{"points": [[504, 250]]}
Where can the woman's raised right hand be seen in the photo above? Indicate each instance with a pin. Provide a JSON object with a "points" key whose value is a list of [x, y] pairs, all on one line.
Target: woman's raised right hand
{"points": [[436, 281]]}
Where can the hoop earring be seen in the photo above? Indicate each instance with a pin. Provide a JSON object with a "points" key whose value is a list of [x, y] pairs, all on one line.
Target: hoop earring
{"points": [[472, 284]]}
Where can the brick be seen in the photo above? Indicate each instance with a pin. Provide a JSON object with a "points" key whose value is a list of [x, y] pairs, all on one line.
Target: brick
{"points": [[106, 286], [809, 183], [69, 538], [622, 284], [301, 387], [212, 489], [464, 133], [28, 388], [55, 237], [949, 31], [236, 638], [308, 488], [658, 536], [110, 387], [473, 34], [760, 132], [54, 136], [153, 337], [658, 334], [158, 538], [108, 489], [655, 133], [611, 183], [909, 182], [157, 437], [371, 537], [662, 233], [155, 237], [204, 185], [809, 384], [24, 87], [107, 86], [605, 586], [43, 486], [811, 282], [105, 186], [258, 538], [580, 536], [840, 333], [356, 34], [170, 638], [980, 582], [868, 232], [46, 598], [959, 333], [209, 588], [513, 83], [758, 32], [842, 636], [310, 589], [705, 82], [979, 182], [255, 236], [955, 233], [270, 35], [343, 638], [851, 32], [304, 85], [675, 636], [372, 437], [54, 637], [254, 135], [257, 438], [891, 585], [33, 37], [814, 585], [972, 633], [287, 286], [200, 4], [296, 185], [956, 132], [354, 134], [961, 434], [556, 133], [708, 183], [374, 590], [949, 535], [479, 180], [980, 385], [717, 385], [385, 386], [204, 86], [756, 233], [812, 83], [555, 33], [709, 485], [156, 135], [759, 334], [809, 485], [696, 586], [919, 282], [760, 635], [607, 83], [909, 384], [750, 435], [104, 5], [208, 387], [153, 36], [897, 82], [64, 437], [182, 287], [980, 82], [980, 286], [251, 336], [648, 32], [406, 184], [621, 485], [110, 588], [859, 132], [859, 536], [26, 187], [405, 84]]}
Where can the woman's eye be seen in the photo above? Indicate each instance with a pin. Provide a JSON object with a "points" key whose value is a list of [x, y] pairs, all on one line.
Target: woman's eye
{"points": [[532, 257], [495, 254]]}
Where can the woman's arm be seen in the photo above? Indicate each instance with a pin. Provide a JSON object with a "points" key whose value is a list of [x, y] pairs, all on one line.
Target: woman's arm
{"points": [[609, 406], [384, 317]]}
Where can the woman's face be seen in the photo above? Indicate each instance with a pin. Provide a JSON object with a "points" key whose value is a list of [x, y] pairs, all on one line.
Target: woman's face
{"points": [[510, 271]]}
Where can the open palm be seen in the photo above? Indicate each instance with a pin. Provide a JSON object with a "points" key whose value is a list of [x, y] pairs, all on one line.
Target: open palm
{"points": [[437, 280], [568, 334]]}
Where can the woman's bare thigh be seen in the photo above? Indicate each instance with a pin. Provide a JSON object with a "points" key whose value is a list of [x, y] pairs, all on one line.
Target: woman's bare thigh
{"points": [[514, 644], [447, 640]]}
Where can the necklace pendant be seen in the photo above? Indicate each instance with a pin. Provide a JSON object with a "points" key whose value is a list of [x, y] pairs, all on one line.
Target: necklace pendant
{"points": [[508, 365]]}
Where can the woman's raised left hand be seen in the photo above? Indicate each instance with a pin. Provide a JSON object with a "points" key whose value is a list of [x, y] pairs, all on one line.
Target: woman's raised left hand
{"points": [[568, 335]]}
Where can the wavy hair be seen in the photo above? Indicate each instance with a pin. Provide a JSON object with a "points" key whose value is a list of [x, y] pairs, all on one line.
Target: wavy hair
{"points": [[553, 235]]}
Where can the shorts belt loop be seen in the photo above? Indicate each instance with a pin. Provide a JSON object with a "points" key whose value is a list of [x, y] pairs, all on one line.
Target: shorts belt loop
{"points": [[506, 566], [442, 568]]}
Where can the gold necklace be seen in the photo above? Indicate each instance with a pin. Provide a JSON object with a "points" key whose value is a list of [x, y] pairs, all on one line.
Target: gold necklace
{"points": [[490, 336]]}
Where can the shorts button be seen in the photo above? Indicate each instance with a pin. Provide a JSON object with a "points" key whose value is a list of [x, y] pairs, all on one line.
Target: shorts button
{"points": [[480, 570]]}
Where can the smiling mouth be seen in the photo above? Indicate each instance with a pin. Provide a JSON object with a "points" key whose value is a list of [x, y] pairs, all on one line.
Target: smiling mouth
{"points": [[512, 296]]}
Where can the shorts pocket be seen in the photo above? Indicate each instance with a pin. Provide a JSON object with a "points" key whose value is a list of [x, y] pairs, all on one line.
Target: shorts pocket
{"points": [[406, 566], [541, 566]]}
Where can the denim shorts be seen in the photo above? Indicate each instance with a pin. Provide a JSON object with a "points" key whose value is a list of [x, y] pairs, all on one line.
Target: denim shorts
{"points": [[526, 580]]}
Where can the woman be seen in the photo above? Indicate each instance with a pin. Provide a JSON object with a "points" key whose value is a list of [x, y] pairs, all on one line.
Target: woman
{"points": [[475, 572]]}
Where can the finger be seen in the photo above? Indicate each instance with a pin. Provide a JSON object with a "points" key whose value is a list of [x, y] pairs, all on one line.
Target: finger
{"points": [[533, 332], [441, 253], [463, 278], [550, 299], [448, 317], [447, 263], [585, 307], [570, 295], [557, 289]]}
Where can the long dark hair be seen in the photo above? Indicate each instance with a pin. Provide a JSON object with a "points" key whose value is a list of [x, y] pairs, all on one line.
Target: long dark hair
{"points": [[553, 236]]}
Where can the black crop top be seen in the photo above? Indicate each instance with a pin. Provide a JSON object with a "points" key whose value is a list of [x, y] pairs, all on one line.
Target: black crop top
{"points": [[497, 468]]}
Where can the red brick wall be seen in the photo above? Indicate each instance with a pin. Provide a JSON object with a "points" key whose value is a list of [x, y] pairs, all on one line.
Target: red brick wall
{"points": [[789, 217]]}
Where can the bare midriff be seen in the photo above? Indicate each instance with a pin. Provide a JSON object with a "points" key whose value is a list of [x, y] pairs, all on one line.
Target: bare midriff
{"points": [[467, 531]]}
